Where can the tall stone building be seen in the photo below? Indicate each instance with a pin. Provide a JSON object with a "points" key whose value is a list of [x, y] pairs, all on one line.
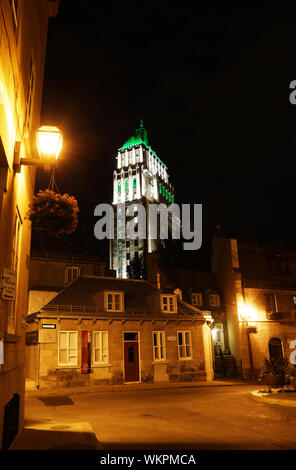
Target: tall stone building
{"points": [[140, 177], [23, 36], [258, 284]]}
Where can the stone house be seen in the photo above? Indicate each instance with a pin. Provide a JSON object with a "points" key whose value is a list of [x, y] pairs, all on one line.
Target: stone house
{"points": [[23, 37], [200, 289], [258, 283], [102, 329]]}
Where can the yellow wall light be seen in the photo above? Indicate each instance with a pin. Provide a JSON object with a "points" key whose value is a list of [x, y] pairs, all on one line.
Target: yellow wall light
{"points": [[246, 312], [49, 141]]}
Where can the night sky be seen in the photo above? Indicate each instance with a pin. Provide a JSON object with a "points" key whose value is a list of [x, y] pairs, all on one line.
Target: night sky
{"points": [[211, 81]]}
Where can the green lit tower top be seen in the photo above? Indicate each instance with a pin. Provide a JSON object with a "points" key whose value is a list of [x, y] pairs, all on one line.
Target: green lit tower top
{"points": [[142, 177]]}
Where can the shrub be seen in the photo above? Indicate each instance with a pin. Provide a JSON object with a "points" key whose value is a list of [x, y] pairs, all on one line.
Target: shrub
{"points": [[53, 212]]}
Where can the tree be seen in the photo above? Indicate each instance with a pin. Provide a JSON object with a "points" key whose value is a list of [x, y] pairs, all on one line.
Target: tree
{"points": [[137, 267]]}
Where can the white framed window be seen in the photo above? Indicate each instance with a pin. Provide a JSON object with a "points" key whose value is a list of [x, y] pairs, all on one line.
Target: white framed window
{"points": [[159, 349], [14, 6], [214, 300], [168, 303], [67, 354], [30, 91], [100, 347], [196, 299], [71, 273], [184, 345], [114, 301], [11, 325]]}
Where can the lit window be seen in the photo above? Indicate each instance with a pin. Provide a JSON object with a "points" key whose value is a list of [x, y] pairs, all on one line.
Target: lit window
{"points": [[135, 182], [126, 185], [294, 299], [159, 351], [275, 348], [11, 325], [214, 300], [100, 347], [270, 303], [119, 187], [72, 272], [168, 303], [196, 299], [67, 348], [29, 95], [114, 301], [184, 345], [14, 5]]}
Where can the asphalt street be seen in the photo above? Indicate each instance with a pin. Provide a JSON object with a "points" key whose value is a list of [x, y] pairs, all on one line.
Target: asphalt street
{"points": [[195, 418]]}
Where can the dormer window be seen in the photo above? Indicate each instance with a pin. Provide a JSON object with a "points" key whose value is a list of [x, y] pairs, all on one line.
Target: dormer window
{"points": [[214, 300], [196, 299], [71, 273], [114, 301], [168, 303]]}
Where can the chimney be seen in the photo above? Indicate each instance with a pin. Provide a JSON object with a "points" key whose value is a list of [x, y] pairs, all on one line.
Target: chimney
{"points": [[158, 280]]}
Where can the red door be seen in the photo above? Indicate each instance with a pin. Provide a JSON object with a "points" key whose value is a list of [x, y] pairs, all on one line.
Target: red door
{"points": [[131, 361]]}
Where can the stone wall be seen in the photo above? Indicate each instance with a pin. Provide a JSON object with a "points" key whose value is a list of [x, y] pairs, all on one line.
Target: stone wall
{"points": [[52, 375]]}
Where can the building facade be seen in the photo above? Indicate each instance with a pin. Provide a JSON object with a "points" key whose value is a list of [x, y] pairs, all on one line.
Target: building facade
{"points": [[200, 289], [140, 177], [23, 35], [108, 330], [258, 283]]}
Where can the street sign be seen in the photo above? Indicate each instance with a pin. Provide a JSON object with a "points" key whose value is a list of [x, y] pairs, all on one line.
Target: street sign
{"points": [[49, 326], [32, 338], [8, 284]]}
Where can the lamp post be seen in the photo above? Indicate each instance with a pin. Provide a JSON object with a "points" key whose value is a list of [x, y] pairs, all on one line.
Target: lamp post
{"points": [[249, 330], [49, 141]]}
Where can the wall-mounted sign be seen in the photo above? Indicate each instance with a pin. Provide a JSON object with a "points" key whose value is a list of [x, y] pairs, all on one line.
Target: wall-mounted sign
{"points": [[8, 284], [49, 326], [1, 353], [172, 338], [47, 336], [32, 338]]}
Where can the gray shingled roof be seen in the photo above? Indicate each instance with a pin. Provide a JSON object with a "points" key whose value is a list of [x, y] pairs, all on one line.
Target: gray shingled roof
{"points": [[141, 298]]}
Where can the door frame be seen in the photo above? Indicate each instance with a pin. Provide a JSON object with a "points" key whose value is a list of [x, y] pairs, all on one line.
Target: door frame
{"points": [[139, 355]]}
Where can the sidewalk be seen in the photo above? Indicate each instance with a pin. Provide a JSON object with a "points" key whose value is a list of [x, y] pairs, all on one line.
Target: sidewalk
{"points": [[275, 397], [32, 391]]}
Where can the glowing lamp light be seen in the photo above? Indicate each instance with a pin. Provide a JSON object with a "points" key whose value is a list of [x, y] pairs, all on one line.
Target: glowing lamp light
{"points": [[49, 142], [247, 312]]}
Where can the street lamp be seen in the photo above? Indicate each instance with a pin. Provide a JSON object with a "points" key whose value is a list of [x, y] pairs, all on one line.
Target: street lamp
{"points": [[49, 143], [246, 313]]}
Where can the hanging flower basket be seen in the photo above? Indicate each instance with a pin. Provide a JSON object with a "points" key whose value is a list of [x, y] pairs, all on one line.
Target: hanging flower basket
{"points": [[53, 212]]}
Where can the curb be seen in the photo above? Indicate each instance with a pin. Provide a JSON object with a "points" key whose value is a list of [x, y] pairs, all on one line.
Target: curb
{"points": [[92, 390], [266, 398]]}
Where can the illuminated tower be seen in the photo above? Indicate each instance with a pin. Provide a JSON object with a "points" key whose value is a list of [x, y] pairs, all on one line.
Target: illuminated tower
{"points": [[141, 177]]}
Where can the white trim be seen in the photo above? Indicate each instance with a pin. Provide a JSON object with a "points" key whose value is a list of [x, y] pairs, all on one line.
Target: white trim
{"points": [[199, 296], [61, 364], [173, 296], [139, 355], [187, 358], [216, 300], [159, 333], [100, 332], [121, 301]]}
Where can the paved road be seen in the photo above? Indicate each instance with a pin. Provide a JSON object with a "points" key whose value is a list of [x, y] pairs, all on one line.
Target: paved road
{"points": [[195, 418]]}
